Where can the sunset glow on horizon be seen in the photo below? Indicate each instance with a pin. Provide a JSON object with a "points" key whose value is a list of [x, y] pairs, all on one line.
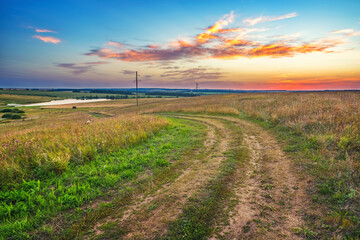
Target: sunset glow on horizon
{"points": [[244, 45]]}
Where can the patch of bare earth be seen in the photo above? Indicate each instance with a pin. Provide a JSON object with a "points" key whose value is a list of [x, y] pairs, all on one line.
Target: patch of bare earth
{"points": [[151, 214], [270, 195]]}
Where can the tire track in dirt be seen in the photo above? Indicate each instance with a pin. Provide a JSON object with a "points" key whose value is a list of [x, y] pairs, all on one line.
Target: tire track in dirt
{"points": [[271, 197], [150, 215]]}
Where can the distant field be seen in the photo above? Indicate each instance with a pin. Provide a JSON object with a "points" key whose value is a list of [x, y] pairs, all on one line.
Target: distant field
{"points": [[71, 94], [112, 103], [55, 94], [22, 99], [181, 167]]}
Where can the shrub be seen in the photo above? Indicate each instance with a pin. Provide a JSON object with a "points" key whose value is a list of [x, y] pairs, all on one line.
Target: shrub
{"points": [[11, 116], [15, 116], [12, 110], [7, 115]]}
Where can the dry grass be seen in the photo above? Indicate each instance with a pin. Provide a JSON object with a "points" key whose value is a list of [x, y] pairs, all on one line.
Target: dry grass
{"points": [[323, 133], [315, 114], [48, 149]]}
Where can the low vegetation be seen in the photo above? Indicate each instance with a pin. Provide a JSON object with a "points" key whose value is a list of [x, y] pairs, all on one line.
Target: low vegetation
{"points": [[10, 113], [63, 162], [6, 98], [11, 116], [29, 203], [11, 110], [35, 154], [322, 131]]}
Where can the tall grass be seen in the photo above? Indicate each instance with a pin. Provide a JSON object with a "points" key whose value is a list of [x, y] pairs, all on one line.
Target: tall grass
{"points": [[323, 133], [28, 207], [327, 116], [39, 152]]}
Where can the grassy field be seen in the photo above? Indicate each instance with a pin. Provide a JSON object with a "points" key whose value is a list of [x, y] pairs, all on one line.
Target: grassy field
{"points": [[34, 96], [21, 99], [60, 159], [322, 132], [53, 94]]}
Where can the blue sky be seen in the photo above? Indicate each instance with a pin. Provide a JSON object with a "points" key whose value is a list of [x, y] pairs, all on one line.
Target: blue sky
{"points": [[76, 50]]}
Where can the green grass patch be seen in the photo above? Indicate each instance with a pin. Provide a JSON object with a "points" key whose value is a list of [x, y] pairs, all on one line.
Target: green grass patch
{"points": [[8, 98], [181, 158], [31, 203]]}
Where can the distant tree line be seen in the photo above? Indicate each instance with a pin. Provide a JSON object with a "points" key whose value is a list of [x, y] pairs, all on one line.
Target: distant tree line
{"points": [[111, 91], [112, 97], [175, 94]]}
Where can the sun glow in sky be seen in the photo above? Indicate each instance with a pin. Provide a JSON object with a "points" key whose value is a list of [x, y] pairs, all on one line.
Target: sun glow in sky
{"points": [[266, 45]]}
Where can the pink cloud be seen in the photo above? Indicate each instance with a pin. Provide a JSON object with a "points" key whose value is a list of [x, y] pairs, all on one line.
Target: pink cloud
{"points": [[347, 32], [44, 31], [112, 43], [48, 39]]}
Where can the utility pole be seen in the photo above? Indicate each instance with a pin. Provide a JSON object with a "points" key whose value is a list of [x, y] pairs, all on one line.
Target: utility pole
{"points": [[137, 101], [196, 87]]}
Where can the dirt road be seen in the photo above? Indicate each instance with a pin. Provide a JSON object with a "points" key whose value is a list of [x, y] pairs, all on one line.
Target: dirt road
{"points": [[268, 193]]}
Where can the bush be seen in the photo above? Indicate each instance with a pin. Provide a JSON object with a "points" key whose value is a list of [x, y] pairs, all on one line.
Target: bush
{"points": [[11, 116], [17, 111], [12, 110], [74, 107], [7, 115], [14, 116]]}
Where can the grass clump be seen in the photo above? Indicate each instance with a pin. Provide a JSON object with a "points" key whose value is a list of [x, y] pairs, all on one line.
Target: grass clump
{"points": [[39, 153]]}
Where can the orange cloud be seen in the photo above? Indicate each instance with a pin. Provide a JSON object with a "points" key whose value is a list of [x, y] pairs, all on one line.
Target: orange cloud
{"points": [[216, 28], [48, 39], [228, 18], [234, 48], [223, 45], [280, 50], [253, 21], [238, 42]]}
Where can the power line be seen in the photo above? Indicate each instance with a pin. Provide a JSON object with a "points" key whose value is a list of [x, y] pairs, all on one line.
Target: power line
{"points": [[137, 101]]}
